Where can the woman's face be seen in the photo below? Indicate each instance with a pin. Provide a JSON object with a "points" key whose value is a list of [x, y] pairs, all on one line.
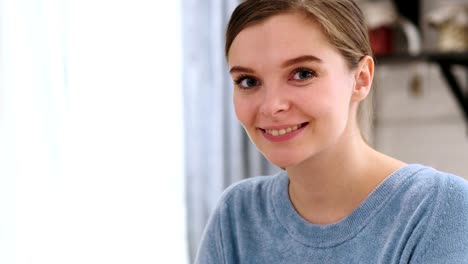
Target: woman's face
{"points": [[292, 88]]}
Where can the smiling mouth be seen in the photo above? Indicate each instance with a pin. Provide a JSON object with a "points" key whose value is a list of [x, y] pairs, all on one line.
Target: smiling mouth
{"points": [[283, 131]]}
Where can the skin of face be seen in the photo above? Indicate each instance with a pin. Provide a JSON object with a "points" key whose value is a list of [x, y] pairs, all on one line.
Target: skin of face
{"points": [[287, 74]]}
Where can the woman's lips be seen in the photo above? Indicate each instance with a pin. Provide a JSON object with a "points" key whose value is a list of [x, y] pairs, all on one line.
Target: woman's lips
{"points": [[284, 133]]}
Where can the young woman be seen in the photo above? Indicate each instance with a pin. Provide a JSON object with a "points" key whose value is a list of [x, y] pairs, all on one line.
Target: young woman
{"points": [[302, 70]]}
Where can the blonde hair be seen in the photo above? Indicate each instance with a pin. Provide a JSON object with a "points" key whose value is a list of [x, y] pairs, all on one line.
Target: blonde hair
{"points": [[341, 21]]}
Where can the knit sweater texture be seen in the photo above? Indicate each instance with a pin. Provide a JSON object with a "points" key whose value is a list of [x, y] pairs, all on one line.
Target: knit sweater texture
{"points": [[416, 215]]}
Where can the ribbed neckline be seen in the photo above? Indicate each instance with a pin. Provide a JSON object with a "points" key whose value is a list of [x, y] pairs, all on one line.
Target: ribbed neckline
{"points": [[331, 235]]}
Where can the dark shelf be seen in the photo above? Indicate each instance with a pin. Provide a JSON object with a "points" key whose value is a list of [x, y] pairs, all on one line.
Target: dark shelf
{"points": [[445, 61], [452, 58]]}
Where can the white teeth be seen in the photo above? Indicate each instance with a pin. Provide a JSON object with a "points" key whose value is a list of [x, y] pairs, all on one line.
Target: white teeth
{"points": [[280, 132]]}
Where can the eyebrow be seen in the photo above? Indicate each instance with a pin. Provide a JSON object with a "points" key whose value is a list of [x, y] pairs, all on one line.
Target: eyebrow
{"points": [[303, 58], [240, 69]]}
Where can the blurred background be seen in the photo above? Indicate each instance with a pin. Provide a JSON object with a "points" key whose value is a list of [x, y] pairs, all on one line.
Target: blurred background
{"points": [[91, 132], [421, 88], [117, 131]]}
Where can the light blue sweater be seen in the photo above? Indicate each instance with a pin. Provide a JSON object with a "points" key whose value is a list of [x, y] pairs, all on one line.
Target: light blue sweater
{"points": [[417, 215]]}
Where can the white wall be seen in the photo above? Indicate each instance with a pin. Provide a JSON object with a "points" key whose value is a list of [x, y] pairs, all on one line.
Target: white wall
{"points": [[427, 128]]}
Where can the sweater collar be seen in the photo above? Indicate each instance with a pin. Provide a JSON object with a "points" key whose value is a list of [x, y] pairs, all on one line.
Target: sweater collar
{"points": [[330, 235]]}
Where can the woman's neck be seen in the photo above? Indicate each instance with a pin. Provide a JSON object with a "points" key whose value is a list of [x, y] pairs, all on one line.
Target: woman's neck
{"points": [[329, 187]]}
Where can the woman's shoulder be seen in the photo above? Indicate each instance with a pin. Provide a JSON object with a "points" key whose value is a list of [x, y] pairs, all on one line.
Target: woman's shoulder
{"points": [[424, 191], [428, 179], [442, 193], [452, 189], [446, 198], [254, 187], [438, 180]]}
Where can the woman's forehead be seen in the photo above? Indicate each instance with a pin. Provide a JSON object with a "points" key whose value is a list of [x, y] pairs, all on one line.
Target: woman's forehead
{"points": [[279, 38]]}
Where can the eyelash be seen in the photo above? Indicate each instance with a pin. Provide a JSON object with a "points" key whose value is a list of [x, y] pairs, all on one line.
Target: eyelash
{"points": [[312, 74], [242, 77]]}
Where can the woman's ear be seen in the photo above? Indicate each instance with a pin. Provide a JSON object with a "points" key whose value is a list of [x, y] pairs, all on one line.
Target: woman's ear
{"points": [[363, 78]]}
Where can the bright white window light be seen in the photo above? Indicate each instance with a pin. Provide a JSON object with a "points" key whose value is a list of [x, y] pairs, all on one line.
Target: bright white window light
{"points": [[92, 132]]}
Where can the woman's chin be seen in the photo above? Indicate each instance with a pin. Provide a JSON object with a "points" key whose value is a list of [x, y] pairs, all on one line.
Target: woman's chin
{"points": [[283, 162]]}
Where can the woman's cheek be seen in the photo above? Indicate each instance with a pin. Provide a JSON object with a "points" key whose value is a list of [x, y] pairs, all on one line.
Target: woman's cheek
{"points": [[242, 109]]}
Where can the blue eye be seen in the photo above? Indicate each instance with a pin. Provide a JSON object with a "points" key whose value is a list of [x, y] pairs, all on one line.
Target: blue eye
{"points": [[303, 74], [246, 82]]}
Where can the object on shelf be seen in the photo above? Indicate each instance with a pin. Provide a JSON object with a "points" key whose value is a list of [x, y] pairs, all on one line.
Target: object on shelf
{"points": [[381, 40], [412, 35], [451, 23], [384, 22], [380, 18]]}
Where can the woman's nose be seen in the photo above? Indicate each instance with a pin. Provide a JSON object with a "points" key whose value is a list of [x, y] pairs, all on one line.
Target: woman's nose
{"points": [[274, 102]]}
